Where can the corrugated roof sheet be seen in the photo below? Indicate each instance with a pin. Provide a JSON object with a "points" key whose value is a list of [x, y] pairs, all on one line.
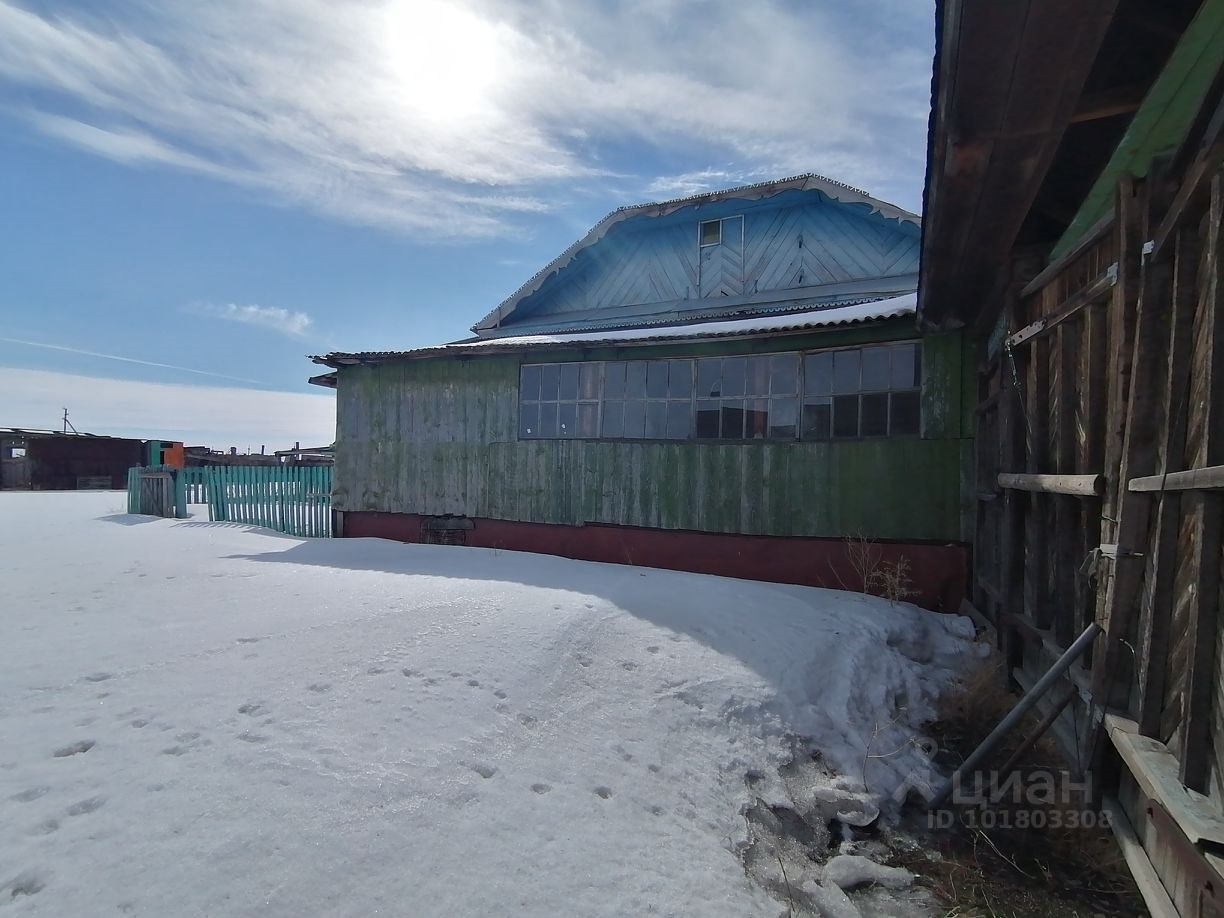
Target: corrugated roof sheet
{"points": [[856, 314]]}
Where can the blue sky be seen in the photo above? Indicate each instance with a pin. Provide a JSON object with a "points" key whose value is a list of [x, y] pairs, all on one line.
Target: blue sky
{"points": [[212, 191]]}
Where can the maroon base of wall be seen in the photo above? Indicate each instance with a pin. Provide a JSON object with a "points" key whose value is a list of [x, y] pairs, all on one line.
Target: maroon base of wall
{"points": [[937, 570]]}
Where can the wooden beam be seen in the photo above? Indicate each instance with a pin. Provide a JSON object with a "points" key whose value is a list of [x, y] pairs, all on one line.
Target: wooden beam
{"points": [[1086, 297], [1055, 268], [1206, 479], [1155, 896], [1073, 485], [1118, 100], [1204, 608], [1156, 610]]}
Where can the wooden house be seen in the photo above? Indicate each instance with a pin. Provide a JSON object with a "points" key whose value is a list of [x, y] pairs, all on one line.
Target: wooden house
{"points": [[50, 460], [1075, 205], [729, 383]]}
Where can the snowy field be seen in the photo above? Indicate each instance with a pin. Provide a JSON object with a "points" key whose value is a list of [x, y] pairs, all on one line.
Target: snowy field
{"points": [[208, 719]]}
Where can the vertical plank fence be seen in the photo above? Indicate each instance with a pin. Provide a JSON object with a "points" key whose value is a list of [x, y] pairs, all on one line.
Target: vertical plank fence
{"points": [[292, 499]]}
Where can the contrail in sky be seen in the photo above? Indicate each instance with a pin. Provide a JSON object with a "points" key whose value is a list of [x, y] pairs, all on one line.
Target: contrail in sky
{"points": [[143, 363]]}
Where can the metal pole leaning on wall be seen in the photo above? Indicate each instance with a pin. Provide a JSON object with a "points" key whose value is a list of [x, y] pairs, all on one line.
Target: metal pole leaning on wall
{"points": [[1030, 699]]}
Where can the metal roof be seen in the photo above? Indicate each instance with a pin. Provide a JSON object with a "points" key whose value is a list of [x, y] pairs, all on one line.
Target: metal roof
{"points": [[810, 181], [755, 327]]}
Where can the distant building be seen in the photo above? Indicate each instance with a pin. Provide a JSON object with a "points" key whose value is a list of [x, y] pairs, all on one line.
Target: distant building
{"points": [[48, 460]]}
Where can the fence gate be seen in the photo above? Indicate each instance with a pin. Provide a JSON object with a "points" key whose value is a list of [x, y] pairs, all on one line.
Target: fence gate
{"points": [[156, 494]]}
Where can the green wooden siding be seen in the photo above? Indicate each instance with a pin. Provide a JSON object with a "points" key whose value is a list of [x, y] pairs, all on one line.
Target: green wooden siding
{"points": [[440, 435]]}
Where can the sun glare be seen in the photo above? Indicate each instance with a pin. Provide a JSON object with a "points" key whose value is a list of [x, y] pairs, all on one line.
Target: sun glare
{"points": [[443, 59]]}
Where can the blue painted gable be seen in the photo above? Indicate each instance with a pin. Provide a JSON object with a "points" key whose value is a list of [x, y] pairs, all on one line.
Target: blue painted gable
{"points": [[773, 248]]}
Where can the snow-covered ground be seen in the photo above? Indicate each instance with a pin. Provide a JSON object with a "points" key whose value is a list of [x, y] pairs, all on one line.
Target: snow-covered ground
{"points": [[208, 719]]}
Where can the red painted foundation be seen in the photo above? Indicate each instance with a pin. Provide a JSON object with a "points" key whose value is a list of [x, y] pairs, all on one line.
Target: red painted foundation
{"points": [[937, 570]]}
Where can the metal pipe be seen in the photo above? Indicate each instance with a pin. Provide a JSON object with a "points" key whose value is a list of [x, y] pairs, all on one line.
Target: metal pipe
{"points": [[1037, 733], [1031, 697]]}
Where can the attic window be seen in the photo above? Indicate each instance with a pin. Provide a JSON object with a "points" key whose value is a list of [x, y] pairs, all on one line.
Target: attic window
{"points": [[711, 232]]}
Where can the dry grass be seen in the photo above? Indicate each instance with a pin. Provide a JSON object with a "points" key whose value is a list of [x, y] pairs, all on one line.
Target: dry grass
{"points": [[1003, 870], [887, 579]]}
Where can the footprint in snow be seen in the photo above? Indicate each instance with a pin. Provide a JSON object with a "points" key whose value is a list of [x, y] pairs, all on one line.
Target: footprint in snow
{"points": [[655, 768], [628, 665], [251, 708], [602, 791], [26, 883], [375, 671], [90, 805], [319, 686], [74, 749], [482, 769], [656, 810], [139, 722], [84, 721], [500, 693], [97, 677], [654, 648], [46, 827], [474, 683], [248, 640], [248, 737], [583, 661], [526, 720], [541, 788], [29, 794], [409, 672]]}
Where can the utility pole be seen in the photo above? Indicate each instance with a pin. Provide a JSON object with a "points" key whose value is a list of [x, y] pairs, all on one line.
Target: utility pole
{"points": [[68, 423]]}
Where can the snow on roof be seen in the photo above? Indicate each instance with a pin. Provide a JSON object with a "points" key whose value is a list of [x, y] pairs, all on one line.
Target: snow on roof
{"points": [[856, 313], [837, 315]]}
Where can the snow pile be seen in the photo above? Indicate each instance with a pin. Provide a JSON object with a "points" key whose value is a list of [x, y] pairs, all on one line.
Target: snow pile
{"points": [[204, 718]]}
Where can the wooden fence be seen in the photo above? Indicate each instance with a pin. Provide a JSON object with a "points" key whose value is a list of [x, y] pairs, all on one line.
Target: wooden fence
{"points": [[292, 499]]}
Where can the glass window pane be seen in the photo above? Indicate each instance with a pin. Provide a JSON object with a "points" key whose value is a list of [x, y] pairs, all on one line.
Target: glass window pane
{"points": [[529, 383], [569, 381], [783, 418], [711, 232], [613, 423], [550, 378], [529, 420], [876, 372], [906, 415], [733, 372], [845, 416], [905, 369], [635, 418], [567, 419], [614, 379], [656, 420], [709, 375], [635, 379], [548, 419], [783, 374], [756, 419], [817, 418], [818, 374], [680, 378], [656, 379], [845, 371], [758, 376], [875, 415], [588, 419], [707, 420], [680, 420], [732, 427], [588, 382]]}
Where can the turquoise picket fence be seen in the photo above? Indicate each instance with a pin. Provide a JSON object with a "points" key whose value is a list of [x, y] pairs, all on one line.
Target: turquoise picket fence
{"points": [[195, 484], [290, 499]]}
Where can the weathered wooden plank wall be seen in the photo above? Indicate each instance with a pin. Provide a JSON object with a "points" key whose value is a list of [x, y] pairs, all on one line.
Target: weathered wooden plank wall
{"points": [[440, 437], [765, 248], [1114, 366]]}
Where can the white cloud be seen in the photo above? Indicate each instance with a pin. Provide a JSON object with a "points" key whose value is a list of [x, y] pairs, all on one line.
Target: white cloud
{"points": [[215, 416], [293, 324], [453, 119]]}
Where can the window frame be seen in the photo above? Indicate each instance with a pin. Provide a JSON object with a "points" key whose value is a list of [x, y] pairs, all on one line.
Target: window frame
{"points": [[800, 397]]}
